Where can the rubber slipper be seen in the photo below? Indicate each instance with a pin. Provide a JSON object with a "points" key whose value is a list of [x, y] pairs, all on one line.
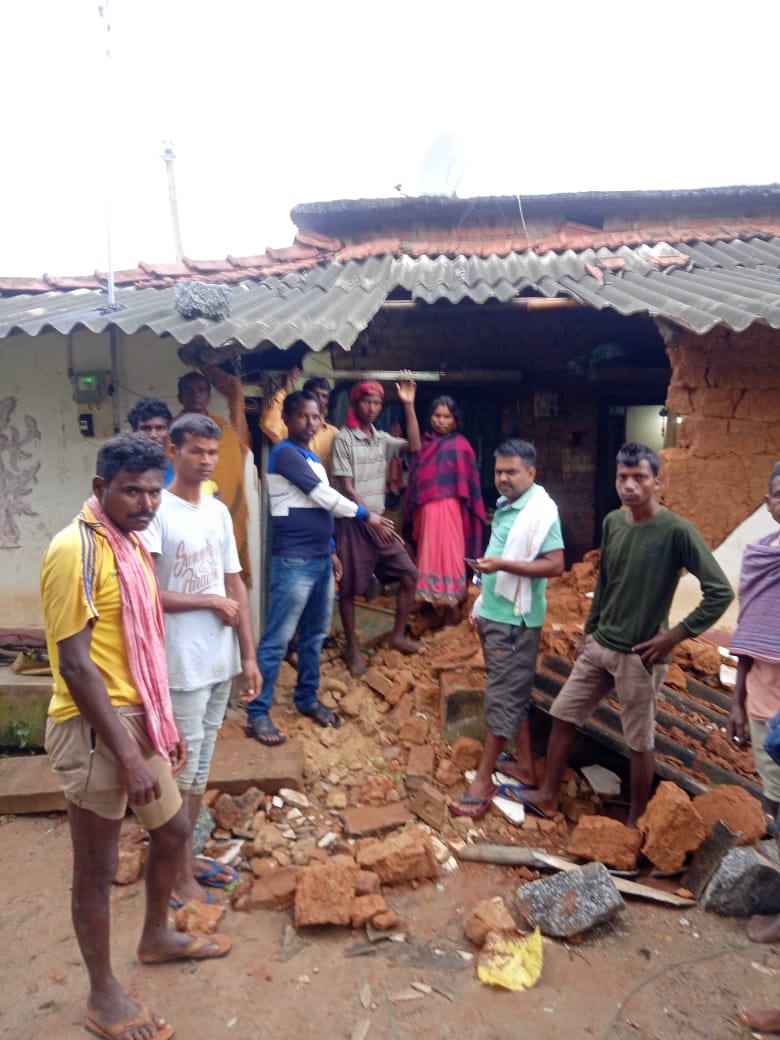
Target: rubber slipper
{"points": [[119, 1029], [515, 793], [208, 876], [200, 948], [177, 904], [472, 808], [322, 715], [264, 731]]}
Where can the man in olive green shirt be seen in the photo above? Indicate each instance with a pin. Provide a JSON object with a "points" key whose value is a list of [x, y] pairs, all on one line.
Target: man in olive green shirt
{"points": [[644, 548], [525, 549]]}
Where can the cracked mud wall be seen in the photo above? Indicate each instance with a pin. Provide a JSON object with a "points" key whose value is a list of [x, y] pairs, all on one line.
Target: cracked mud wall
{"points": [[726, 387]]}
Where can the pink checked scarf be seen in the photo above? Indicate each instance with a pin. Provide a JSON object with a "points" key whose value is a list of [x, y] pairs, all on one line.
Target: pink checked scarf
{"points": [[758, 626], [142, 624]]}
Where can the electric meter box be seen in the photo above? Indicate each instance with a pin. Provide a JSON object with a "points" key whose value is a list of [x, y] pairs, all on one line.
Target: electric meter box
{"points": [[87, 387]]}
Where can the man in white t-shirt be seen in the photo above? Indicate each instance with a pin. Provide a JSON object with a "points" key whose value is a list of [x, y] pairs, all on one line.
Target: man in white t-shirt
{"points": [[208, 633]]}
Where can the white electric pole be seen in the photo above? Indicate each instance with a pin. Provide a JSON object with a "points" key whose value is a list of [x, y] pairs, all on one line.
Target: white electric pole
{"points": [[168, 157]]}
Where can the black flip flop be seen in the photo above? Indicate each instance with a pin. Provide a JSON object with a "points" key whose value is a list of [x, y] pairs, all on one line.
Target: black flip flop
{"points": [[264, 732], [322, 715]]}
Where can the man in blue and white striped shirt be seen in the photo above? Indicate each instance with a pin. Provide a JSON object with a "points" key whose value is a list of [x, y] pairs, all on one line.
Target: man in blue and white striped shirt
{"points": [[304, 563]]}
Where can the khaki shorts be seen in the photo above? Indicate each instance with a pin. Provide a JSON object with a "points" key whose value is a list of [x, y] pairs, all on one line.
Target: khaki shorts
{"points": [[596, 671], [89, 773], [767, 768]]}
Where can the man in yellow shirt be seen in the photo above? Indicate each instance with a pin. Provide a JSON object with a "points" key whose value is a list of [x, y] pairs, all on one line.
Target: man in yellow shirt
{"points": [[110, 736], [272, 422]]}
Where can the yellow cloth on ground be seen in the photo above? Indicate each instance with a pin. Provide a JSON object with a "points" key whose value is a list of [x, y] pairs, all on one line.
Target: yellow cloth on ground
{"points": [[79, 586], [514, 964]]}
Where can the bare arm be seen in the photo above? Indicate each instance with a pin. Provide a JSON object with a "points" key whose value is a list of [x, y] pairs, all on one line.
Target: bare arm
{"points": [[346, 486], [178, 602], [89, 693], [737, 720], [232, 390], [547, 565], [251, 682], [407, 391]]}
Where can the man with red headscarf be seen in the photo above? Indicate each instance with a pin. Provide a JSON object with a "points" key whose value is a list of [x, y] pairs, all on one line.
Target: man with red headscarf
{"points": [[360, 457]]}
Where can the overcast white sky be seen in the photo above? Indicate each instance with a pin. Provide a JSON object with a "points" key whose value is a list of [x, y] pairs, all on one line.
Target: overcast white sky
{"points": [[272, 104]]}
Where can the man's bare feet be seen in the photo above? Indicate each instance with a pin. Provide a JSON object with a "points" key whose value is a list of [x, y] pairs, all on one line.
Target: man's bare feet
{"points": [[172, 946], [355, 661], [406, 646], [541, 801], [510, 766], [122, 1018], [763, 1020], [764, 928]]}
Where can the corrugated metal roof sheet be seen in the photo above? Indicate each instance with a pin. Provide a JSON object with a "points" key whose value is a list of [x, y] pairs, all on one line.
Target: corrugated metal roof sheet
{"points": [[332, 303], [695, 284]]}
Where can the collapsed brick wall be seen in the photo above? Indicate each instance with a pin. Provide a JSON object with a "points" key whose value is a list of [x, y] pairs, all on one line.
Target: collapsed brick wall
{"points": [[726, 387]]}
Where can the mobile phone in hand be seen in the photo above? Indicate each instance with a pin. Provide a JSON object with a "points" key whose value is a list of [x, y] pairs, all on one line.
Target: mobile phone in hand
{"points": [[469, 561]]}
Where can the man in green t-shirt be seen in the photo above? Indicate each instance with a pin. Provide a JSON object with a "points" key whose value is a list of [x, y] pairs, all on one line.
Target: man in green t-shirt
{"points": [[644, 548], [525, 549]]}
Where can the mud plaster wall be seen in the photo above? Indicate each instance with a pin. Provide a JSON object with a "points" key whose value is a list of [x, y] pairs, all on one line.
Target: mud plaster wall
{"points": [[726, 387], [35, 376]]}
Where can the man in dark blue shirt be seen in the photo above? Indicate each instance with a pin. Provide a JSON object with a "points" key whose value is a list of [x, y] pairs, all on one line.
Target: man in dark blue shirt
{"points": [[303, 566]]}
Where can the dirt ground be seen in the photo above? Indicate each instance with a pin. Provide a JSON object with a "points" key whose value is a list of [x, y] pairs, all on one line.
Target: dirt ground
{"points": [[656, 973], [652, 973]]}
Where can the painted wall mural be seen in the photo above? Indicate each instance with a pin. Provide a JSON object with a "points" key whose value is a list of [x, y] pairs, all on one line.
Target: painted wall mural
{"points": [[16, 478]]}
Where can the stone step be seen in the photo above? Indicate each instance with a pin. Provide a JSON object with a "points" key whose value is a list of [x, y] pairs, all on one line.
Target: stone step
{"points": [[28, 785], [24, 701]]}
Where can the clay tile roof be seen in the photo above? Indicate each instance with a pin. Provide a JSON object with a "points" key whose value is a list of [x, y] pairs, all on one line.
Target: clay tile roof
{"points": [[85, 281], [167, 270], [128, 277], [292, 253], [200, 267], [245, 262], [23, 285]]}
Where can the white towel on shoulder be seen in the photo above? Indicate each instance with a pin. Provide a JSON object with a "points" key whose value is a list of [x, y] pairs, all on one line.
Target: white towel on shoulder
{"points": [[524, 543]]}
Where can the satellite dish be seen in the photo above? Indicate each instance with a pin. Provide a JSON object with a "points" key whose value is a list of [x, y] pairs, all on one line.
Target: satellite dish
{"points": [[443, 166]]}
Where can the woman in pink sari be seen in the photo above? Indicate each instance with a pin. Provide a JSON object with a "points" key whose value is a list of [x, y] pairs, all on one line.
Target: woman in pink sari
{"points": [[444, 514]]}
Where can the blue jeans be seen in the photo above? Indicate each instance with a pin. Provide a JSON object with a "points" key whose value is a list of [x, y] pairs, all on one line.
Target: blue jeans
{"points": [[302, 601]]}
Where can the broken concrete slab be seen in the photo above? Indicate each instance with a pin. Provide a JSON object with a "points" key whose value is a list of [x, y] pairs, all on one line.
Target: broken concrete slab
{"points": [[745, 883], [571, 902], [707, 858], [28, 785], [364, 820], [239, 764]]}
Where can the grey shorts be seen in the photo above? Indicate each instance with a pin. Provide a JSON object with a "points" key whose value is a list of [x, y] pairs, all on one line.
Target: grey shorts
{"points": [[510, 658], [767, 768], [89, 774], [596, 671]]}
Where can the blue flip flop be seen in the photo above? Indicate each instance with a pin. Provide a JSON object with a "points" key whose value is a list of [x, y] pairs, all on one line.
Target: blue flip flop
{"points": [[208, 876], [515, 794]]}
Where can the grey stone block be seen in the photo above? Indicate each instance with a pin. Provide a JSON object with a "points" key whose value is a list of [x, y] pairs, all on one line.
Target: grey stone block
{"points": [[203, 300], [571, 902], [201, 832], [745, 883]]}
